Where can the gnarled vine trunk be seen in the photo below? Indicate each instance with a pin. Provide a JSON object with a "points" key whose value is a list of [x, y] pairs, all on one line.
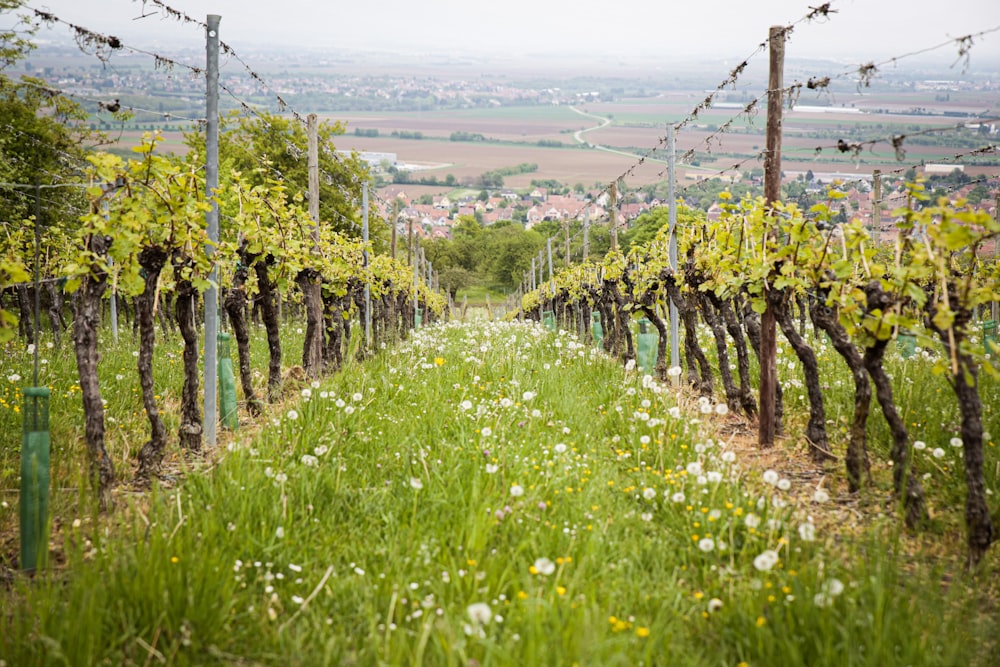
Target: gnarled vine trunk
{"points": [[819, 444], [235, 304], [191, 427], [86, 324], [269, 314], [312, 347], [858, 466], [151, 455]]}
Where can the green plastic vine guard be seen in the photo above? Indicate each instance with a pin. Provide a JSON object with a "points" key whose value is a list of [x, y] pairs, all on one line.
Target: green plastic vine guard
{"points": [[549, 320], [229, 416], [598, 330], [35, 478], [907, 344], [647, 347], [418, 318], [990, 336]]}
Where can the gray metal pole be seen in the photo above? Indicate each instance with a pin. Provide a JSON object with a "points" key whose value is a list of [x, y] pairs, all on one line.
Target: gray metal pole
{"points": [[368, 287], [675, 348], [212, 219], [586, 234], [532, 274]]}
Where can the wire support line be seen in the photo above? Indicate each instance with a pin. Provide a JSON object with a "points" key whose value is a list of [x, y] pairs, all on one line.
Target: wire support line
{"points": [[105, 45], [114, 106]]}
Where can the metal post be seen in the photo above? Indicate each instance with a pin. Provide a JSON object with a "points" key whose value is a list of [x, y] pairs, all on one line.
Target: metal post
{"points": [[586, 234], [532, 274], [38, 298], [368, 287], [675, 348], [212, 220]]}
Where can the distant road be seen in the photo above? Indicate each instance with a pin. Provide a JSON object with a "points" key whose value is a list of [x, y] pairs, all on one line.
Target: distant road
{"points": [[602, 123]]}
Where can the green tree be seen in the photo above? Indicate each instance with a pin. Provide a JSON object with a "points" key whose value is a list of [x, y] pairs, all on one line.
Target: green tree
{"points": [[281, 145]]}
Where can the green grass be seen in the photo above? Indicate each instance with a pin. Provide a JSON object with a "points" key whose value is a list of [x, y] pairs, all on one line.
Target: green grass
{"points": [[495, 495]]}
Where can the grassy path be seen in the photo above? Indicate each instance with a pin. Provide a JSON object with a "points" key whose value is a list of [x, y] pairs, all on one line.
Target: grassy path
{"points": [[489, 494]]}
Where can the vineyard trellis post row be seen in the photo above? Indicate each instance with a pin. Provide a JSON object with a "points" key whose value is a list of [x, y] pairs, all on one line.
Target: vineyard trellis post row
{"points": [[212, 220], [772, 193]]}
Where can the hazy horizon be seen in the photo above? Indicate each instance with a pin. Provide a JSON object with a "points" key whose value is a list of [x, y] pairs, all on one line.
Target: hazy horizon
{"points": [[629, 30]]}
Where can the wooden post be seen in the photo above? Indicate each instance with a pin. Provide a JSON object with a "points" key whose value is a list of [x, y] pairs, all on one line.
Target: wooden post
{"points": [[612, 210], [312, 131], [394, 223], [566, 231], [877, 205], [409, 244], [996, 252], [586, 234], [772, 193]]}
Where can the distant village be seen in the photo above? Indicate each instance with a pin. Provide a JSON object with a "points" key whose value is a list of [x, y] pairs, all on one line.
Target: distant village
{"points": [[439, 213]]}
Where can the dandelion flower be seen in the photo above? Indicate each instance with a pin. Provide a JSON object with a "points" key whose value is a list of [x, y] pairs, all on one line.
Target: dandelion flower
{"points": [[784, 484], [544, 566], [528, 395], [479, 613], [807, 532], [677, 497], [766, 560], [714, 605], [649, 493], [516, 490], [919, 445], [770, 477], [293, 415], [491, 468], [821, 496], [674, 371], [416, 483], [955, 442], [706, 544], [938, 453], [280, 532], [486, 432], [721, 409]]}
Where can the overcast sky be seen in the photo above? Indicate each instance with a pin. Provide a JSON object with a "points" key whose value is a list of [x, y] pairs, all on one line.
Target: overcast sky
{"points": [[861, 30]]}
